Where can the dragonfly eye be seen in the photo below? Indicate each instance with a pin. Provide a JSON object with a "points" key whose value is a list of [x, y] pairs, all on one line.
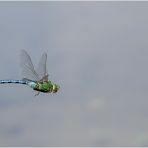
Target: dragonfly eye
{"points": [[55, 88]]}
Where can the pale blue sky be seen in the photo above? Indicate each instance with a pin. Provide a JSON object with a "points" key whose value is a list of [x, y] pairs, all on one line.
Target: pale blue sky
{"points": [[97, 53]]}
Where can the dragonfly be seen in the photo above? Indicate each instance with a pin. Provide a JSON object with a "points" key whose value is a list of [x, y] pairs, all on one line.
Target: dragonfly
{"points": [[36, 79]]}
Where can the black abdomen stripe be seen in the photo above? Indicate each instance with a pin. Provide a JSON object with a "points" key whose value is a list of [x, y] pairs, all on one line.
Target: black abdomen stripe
{"points": [[13, 81]]}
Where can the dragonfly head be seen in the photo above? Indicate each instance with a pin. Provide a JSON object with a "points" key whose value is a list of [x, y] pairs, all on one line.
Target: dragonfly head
{"points": [[55, 88]]}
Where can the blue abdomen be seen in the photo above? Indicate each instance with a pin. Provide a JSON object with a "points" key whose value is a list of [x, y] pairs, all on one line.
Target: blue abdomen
{"points": [[13, 81]]}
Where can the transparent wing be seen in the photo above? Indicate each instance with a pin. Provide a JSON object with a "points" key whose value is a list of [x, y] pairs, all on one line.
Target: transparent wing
{"points": [[27, 67], [42, 69]]}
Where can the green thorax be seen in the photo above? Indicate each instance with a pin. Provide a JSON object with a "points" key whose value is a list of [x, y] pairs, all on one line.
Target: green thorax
{"points": [[44, 86]]}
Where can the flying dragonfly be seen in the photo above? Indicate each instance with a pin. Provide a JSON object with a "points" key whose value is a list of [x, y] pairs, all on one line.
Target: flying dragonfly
{"points": [[36, 79]]}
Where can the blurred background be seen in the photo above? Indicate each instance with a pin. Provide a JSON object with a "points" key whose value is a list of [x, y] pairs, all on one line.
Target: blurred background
{"points": [[97, 53]]}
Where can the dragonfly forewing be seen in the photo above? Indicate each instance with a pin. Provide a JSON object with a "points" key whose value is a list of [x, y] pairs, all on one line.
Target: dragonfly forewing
{"points": [[28, 70], [42, 69]]}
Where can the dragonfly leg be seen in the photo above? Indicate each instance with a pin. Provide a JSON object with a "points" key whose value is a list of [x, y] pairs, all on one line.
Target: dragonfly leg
{"points": [[37, 93]]}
